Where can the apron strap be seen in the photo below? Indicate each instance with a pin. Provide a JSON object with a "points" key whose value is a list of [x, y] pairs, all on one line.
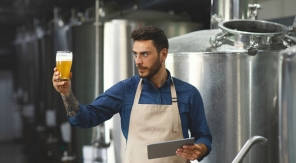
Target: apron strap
{"points": [[175, 106], [138, 93]]}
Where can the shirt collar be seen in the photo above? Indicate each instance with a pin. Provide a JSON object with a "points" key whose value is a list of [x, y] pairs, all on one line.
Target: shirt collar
{"points": [[168, 81]]}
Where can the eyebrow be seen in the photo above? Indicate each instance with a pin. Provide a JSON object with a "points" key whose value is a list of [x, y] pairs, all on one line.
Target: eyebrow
{"points": [[142, 52]]}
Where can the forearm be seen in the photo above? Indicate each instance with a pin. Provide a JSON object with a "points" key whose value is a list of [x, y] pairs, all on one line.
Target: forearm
{"points": [[71, 104]]}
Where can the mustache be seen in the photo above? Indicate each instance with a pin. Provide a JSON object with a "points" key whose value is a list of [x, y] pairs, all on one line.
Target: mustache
{"points": [[141, 67]]}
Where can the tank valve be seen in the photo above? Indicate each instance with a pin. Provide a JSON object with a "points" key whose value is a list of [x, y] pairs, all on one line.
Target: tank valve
{"points": [[252, 48], [214, 40], [292, 29], [215, 19], [285, 42], [253, 11]]}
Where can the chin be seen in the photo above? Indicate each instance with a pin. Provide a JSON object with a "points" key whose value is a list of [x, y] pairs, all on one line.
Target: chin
{"points": [[142, 75]]}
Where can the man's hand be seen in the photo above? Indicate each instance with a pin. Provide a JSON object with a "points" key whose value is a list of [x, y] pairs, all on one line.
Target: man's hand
{"points": [[192, 152], [63, 87]]}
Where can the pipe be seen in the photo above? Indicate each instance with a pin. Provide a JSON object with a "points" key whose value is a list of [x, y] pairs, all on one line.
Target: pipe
{"points": [[97, 57], [99, 139], [232, 9], [56, 17], [253, 140]]}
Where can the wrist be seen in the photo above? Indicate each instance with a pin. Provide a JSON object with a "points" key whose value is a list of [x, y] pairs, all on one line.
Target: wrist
{"points": [[65, 93], [204, 150]]}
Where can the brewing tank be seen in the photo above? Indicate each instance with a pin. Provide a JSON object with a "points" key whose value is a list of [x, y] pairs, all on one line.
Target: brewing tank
{"points": [[287, 105], [235, 70]]}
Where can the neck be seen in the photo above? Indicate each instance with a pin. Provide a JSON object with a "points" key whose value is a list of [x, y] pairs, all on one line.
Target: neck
{"points": [[159, 78]]}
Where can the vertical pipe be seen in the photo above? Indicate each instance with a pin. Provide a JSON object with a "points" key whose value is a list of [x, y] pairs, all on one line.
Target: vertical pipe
{"points": [[55, 17], [99, 139], [223, 9], [228, 10], [97, 57]]}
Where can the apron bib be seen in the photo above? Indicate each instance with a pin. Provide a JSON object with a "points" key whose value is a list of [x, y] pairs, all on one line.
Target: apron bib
{"points": [[152, 123]]}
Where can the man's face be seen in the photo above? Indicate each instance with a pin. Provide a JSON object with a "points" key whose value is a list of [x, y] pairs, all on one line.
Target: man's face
{"points": [[146, 58]]}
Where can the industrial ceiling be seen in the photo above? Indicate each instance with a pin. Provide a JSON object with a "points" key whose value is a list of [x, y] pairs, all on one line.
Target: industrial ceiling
{"points": [[19, 12]]}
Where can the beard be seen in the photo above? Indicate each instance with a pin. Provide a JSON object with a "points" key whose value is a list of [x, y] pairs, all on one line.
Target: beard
{"points": [[152, 70]]}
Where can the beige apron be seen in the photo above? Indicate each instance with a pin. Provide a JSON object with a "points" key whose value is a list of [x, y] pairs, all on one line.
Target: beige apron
{"points": [[151, 123]]}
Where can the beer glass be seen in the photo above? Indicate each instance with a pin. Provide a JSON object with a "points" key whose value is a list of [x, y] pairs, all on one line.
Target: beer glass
{"points": [[63, 64]]}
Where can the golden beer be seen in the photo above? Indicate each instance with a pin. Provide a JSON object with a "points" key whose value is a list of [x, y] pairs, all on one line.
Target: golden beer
{"points": [[63, 64]]}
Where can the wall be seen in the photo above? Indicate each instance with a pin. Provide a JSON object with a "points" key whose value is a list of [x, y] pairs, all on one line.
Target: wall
{"points": [[274, 9]]}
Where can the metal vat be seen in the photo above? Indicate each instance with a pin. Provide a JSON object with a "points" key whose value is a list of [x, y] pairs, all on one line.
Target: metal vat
{"points": [[235, 70], [287, 105]]}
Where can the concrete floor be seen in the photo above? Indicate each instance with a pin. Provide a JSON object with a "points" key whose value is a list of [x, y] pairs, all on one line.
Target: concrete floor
{"points": [[11, 153]]}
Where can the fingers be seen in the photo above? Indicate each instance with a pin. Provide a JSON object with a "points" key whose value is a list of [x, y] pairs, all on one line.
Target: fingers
{"points": [[61, 86], [191, 152], [56, 80], [56, 76]]}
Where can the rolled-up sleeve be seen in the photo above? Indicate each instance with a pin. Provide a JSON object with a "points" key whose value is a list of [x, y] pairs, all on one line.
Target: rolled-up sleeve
{"points": [[101, 109], [198, 124]]}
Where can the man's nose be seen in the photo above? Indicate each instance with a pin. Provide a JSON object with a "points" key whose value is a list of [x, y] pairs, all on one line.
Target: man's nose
{"points": [[138, 59]]}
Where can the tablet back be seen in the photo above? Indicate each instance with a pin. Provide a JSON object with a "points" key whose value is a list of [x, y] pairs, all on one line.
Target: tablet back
{"points": [[168, 148]]}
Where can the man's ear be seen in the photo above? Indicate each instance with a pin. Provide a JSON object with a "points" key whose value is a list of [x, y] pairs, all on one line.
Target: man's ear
{"points": [[164, 54]]}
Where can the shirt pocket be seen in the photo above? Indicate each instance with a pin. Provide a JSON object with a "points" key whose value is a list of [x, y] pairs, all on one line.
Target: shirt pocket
{"points": [[184, 114], [183, 108]]}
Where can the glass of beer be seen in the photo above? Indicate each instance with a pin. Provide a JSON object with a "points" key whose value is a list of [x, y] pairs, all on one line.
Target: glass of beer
{"points": [[63, 64]]}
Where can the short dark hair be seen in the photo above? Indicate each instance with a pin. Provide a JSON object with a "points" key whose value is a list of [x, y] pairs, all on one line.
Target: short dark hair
{"points": [[153, 33]]}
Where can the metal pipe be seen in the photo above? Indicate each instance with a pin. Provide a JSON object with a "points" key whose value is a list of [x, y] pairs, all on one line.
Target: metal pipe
{"points": [[242, 153], [99, 141], [222, 9], [97, 57], [56, 17], [231, 9]]}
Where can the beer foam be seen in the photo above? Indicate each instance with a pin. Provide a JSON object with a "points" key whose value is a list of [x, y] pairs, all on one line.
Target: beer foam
{"points": [[64, 56]]}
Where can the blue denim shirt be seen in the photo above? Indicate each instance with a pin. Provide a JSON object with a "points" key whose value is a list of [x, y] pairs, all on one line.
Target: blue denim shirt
{"points": [[120, 98]]}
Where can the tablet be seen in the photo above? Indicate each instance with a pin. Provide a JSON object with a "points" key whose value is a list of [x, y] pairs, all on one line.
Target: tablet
{"points": [[167, 148]]}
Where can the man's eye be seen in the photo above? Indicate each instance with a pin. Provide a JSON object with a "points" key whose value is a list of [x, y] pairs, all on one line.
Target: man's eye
{"points": [[145, 54], [135, 54]]}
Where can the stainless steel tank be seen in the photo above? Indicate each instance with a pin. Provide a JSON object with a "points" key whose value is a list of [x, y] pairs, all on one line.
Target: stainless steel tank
{"points": [[287, 105], [47, 48], [118, 58], [22, 62], [235, 70]]}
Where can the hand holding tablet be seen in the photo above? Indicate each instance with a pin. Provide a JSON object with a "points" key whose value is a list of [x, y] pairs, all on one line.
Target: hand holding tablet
{"points": [[167, 148]]}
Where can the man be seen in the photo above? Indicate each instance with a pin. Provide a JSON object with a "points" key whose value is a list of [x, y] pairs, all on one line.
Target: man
{"points": [[153, 106]]}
